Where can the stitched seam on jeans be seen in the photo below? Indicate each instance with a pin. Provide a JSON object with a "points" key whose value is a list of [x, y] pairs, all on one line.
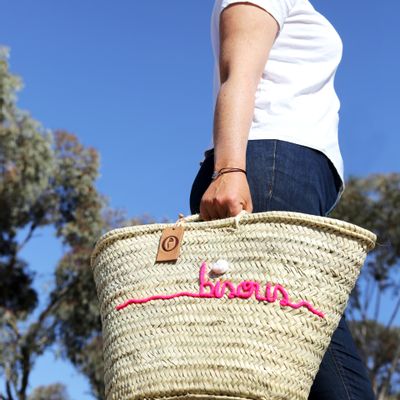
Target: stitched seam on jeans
{"points": [[271, 186], [341, 373], [338, 197]]}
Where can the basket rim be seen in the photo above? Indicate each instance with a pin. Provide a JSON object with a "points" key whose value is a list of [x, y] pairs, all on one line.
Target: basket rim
{"points": [[344, 227]]}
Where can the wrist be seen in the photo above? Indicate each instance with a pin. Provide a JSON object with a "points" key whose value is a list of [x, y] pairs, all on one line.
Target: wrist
{"points": [[229, 157], [229, 163]]}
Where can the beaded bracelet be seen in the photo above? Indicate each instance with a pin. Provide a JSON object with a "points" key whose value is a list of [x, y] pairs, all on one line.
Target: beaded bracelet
{"points": [[216, 174]]}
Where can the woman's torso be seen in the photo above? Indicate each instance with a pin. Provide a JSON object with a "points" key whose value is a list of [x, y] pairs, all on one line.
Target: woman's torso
{"points": [[295, 99]]}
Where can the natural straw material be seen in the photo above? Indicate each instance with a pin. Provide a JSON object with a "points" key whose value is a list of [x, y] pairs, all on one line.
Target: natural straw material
{"points": [[168, 333]]}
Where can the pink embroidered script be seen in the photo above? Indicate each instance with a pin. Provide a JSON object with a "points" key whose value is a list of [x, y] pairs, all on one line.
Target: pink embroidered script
{"points": [[244, 290]]}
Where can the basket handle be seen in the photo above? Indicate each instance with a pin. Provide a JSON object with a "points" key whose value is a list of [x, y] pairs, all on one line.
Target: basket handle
{"points": [[196, 218]]}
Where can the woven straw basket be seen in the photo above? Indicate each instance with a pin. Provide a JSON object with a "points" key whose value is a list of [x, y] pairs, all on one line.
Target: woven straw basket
{"points": [[173, 330]]}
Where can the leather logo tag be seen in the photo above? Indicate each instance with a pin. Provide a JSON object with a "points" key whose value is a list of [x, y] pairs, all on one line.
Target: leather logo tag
{"points": [[170, 243]]}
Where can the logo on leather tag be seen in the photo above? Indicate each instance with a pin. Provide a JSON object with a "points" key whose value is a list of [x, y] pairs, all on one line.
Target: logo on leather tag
{"points": [[170, 243]]}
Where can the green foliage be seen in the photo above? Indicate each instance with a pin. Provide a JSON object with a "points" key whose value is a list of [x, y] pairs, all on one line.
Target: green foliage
{"points": [[46, 179], [26, 166], [373, 202], [77, 218], [377, 343], [56, 391]]}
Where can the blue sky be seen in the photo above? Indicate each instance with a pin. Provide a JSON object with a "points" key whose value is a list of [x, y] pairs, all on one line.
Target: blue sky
{"points": [[134, 80]]}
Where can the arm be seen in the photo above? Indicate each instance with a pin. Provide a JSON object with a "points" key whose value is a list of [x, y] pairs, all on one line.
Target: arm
{"points": [[247, 33]]}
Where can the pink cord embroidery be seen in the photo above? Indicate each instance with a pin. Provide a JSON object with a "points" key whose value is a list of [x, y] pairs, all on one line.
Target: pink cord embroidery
{"points": [[244, 290]]}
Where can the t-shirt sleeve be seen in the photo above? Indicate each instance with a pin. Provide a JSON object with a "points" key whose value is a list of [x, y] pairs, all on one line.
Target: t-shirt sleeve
{"points": [[279, 9]]}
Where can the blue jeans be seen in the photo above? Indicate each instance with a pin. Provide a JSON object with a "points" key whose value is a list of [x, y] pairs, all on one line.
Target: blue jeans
{"points": [[284, 176]]}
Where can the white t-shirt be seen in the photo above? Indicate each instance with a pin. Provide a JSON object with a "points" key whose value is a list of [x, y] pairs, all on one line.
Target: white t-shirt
{"points": [[295, 100]]}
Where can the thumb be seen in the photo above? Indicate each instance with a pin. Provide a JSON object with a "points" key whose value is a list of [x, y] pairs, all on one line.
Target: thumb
{"points": [[248, 206]]}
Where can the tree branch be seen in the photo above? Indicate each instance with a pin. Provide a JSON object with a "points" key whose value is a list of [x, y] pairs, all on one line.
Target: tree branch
{"points": [[367, 297], [378, 302], [28, 236], [35, 327], [383, 389], [26, 370], [364, 311], [10, 322], [31, 337], [8, 388], [393, 316]]}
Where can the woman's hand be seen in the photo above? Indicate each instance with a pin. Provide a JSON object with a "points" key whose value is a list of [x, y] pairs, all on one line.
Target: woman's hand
{"points": [[226, 196]]}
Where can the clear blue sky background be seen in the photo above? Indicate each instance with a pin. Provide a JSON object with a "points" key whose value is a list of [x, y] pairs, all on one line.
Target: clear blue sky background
{"points": [[134, 80]]}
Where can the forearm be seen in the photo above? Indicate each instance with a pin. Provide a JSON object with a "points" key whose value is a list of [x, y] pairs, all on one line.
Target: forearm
{"points": [[232, 121]]}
